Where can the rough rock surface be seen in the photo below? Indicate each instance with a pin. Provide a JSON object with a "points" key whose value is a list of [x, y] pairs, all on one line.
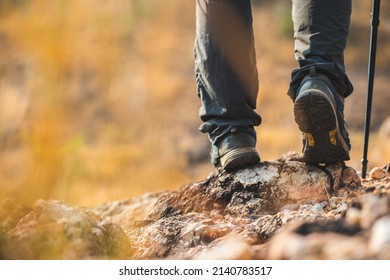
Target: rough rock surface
{"points": [[282, 209], [53, 230]]}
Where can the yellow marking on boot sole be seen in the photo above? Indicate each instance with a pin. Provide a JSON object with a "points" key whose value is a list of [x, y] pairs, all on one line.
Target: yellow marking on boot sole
{"points": [[310, 139], [332, 137]]}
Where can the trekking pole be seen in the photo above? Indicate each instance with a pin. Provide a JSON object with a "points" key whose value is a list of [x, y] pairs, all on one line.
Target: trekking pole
{"points": [[370, 85]]}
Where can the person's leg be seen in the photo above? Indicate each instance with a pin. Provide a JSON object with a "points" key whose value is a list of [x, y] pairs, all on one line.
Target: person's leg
{"points": [[319, 86], [226, 76], [321, 29]]}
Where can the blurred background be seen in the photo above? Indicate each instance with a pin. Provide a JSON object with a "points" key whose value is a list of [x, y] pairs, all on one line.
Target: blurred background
{"points": [[98, 98]]}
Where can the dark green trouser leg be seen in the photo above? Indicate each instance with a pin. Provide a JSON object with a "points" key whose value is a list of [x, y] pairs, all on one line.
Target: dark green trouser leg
{"points": [[225, 63], [320, 31]]}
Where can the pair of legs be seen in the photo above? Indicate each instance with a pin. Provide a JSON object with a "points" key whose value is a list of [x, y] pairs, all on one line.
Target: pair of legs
{"points": [[227, 78]]}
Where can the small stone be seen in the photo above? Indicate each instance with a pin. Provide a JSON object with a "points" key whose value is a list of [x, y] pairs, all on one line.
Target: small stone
{"points": [[378, 173]]}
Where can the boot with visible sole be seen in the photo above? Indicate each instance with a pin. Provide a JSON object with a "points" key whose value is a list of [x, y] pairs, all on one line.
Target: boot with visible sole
{"points": [[236, 151], [318, 111]]}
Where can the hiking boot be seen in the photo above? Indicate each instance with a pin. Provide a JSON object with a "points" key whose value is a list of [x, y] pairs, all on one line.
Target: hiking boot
{"points": [[235, 151], [318, 111]]}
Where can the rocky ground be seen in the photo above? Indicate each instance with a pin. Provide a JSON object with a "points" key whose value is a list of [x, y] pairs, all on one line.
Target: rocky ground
{"points": [[281, 209]]}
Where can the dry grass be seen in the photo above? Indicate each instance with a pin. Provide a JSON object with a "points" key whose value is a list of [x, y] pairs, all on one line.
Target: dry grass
{"points": [[98, 102]]}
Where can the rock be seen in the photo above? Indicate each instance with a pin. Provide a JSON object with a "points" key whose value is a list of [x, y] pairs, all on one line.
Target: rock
{"points": [[318, 240], [380, 237], [373, 207], [281, 209], [378, 173], [345, 179], [128, 212], [263, 189], [11, 211], [55, 230]]}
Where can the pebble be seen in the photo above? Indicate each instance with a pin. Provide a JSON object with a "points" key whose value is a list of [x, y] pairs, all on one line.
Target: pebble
{"points": [[378, 173]]}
